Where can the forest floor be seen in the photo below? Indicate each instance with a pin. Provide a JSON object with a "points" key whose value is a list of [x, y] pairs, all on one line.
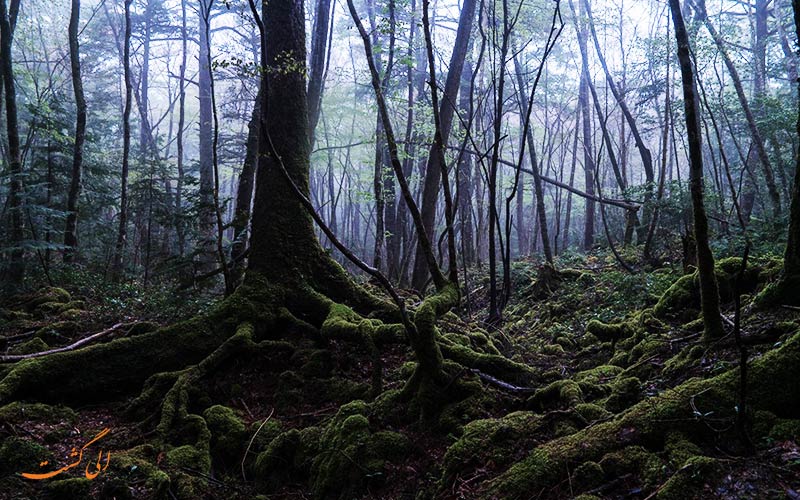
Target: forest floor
{"points": [[601, 345]]}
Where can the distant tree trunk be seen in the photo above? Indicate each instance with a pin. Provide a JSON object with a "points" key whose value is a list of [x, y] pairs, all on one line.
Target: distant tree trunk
{"points": [[537, 180], [71, 230], [16, 265], [709, 291], [179, 222], [644, 152], [758, 141], [122, 232], [432, 181], [465, 187], [316, 71], [206, 146], [146, 145], [568, 212]]}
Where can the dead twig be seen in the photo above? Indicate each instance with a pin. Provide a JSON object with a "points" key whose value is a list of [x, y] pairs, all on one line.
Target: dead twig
{"points": [[84, 341]]}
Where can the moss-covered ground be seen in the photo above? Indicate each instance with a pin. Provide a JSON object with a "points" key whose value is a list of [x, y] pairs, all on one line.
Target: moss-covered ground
{"points": [[598, 385]]}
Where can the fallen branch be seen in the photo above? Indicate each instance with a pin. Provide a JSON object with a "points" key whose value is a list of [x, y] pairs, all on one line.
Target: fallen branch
{"points": [[86, 340], [501, 384]]}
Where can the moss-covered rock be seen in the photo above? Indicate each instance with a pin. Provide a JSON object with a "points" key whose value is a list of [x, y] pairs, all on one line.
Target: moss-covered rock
{"points": [[553, 350], [591, 412], [76, 488], [58, 332], [18, 412], [33, 345], [489, 440], [587, 476], [559, 393], [687, 482], [785, 430], [21, 455], [679, 449], [137, 466], [625, 392], [351, 456], [771, 388], [48, 295], [228, 433], [634, 460]]}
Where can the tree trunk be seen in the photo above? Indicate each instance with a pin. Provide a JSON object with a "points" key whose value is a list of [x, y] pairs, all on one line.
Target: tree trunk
{"points": [[16, 265], [316, 72], [432, 182], [71, 230], [122, 232], [206, 146], [758, 141], [244, 193], [709, 292]]}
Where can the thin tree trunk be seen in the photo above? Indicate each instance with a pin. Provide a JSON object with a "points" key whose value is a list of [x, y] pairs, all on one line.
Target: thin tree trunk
{"points": [[709, 291], [432, 181], [16, 265], [122, 232], [71, 229], [758, 141]]}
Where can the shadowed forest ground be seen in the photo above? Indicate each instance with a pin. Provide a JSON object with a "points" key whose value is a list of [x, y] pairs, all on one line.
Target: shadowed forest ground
{"points": [[612, 394]]}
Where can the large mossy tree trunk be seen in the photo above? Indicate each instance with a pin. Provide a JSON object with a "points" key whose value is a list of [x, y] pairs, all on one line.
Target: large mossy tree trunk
{"points": [[709, 292]]}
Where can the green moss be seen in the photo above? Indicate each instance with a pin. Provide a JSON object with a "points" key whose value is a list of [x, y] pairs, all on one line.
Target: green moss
{"points": [[689, 479], [33, 345], [608, 332], [645, 348], [679, 449], [188, 456], [598, 374], [48, 295], [625, 392], [561, 392], [553, 350], [587, 476], [21, 455], [137, 466], [228, 433], [682, 361], [70, 315], [319, 363], [681, 295], [781, 292], [634, 460], [771, 387], [786, 430], [18, 412], [141, 327], [57, 332], [287, 458], [76, 488], [590, 412], [351, 457], [489, 440]]}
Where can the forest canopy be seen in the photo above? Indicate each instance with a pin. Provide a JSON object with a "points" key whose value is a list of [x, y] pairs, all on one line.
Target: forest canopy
{"points": [[399, 249]]}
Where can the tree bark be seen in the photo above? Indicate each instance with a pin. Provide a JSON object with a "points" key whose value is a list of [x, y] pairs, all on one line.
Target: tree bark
{"points": [[206, 146], [71, 229], [15, 271], [432, 182], [122, 232], [709, 292]]}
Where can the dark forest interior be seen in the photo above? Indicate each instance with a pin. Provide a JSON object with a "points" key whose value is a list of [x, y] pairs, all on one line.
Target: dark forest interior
{"points": [[399, 249]]}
